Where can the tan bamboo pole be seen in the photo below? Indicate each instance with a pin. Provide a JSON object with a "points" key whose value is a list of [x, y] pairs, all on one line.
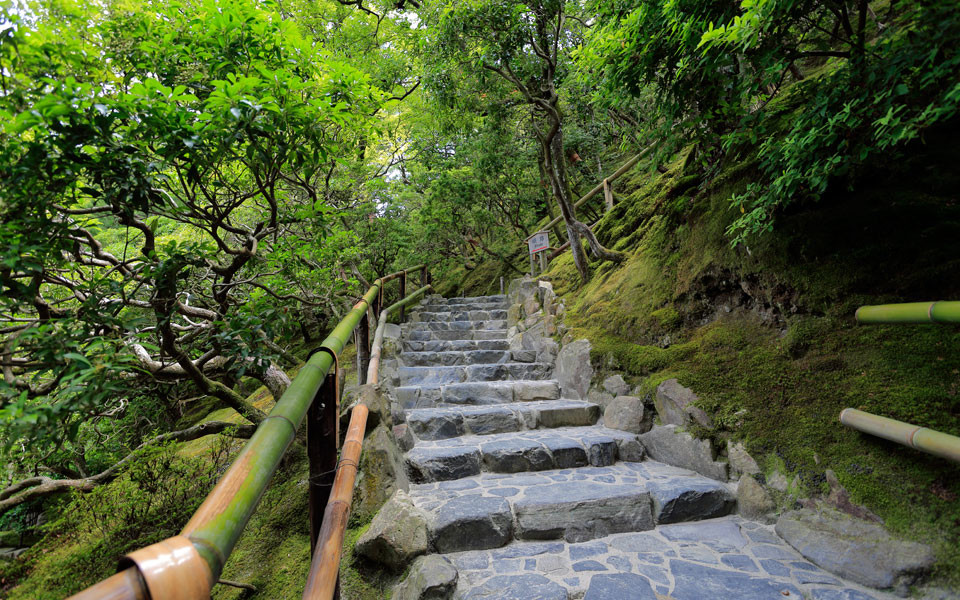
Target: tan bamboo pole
{"points": [[185, 567], [325, 565], [921, 438], [125, 585]]}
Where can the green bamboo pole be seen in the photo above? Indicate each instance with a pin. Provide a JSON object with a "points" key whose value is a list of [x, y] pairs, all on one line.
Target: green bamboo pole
{"points": [[218, 523], [912, 312]]}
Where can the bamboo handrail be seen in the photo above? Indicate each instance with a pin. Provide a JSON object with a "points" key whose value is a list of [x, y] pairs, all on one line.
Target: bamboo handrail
{"points": [[201, 550], [325, 565], [599, 187]]}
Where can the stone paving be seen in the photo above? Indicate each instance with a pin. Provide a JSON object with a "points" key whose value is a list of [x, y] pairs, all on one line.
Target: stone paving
{"points": [[717, 559], [530, 498]]}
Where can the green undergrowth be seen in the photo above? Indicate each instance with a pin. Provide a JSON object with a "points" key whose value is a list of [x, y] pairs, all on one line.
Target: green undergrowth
{"points": [[765, 334], [156, 496]]}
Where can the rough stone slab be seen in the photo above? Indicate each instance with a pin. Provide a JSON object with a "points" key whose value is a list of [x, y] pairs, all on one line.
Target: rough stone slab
{"points": [[451, 358], [476, 393], [518, 587], [440, 375], [455, 345], [488, 325], [695, 581], [513, 452], [474, 334], [574, 371], [854, 549], [455, 314], [620, 585], [397, 534]]}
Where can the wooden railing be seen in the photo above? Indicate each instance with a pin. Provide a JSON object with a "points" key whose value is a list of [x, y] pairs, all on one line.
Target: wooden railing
{"points": [[185, 567]]}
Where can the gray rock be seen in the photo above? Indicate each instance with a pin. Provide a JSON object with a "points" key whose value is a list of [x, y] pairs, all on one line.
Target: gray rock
{"points": [[574, 371], [436, 425], [854, 549], [431, 577], [740, 460], [528, 391], [616, 386], [404, 437], [472, 523], [397, 534], [630, 450], [753, 502], [517, 587], [515, 456], [675, 405], [670, 445], [679, 499], [778, 481], [626, 413]]}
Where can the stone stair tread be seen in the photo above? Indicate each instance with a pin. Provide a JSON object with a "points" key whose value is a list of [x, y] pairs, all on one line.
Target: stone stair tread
{"points": [[468, 325], [455, 345], [721, 558], [520, 451], [578, 504], [422, 335], [462, 315], [477, 393], [509, 371], [450, 420], [453, 357]]}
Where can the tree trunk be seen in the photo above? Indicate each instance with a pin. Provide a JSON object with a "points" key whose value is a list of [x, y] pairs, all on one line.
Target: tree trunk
{"points": [[554, 166]]}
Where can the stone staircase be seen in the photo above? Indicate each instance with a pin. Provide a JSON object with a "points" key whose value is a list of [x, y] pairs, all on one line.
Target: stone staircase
{"points": [[527, 496]]}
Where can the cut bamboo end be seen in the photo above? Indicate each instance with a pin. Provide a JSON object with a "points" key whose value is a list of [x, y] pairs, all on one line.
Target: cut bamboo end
{"points": [[173, 570]]}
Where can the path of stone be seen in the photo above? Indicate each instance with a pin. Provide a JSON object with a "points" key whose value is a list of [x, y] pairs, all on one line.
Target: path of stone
{"points": [[530, 498]]}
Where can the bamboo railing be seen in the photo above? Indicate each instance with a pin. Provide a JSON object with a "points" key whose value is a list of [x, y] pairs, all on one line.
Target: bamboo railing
{"points": [[907, 434], [605, 187], [185, 567]]}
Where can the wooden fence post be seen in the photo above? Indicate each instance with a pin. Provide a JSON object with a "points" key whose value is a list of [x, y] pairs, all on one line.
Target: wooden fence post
{"points": [[363, 349], [322, 438], [608, 194]]}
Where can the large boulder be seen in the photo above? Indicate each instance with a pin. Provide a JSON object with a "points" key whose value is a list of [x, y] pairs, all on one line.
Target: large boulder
{"points": [[397, 535], [669, 444], [753, 502], [431, 577], [573, 370], [381, 471], [675, 405], [627, 414], [855, 549]]}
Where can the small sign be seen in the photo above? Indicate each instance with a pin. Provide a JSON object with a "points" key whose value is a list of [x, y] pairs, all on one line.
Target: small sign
{"points": [[539, 241]]}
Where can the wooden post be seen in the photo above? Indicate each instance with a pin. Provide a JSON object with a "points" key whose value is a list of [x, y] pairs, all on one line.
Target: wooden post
{"points": [[322, 437], [608, 194], [424, 276], [533, 266], [501, 285], [403, 294], [363, 350], [543, 260]]}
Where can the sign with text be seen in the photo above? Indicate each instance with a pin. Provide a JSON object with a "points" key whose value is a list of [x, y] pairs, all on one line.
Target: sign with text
{"points": [[539, 241]]}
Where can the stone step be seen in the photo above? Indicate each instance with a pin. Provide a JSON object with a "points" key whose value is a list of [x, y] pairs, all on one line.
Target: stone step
{"points": [[452, 358], [455, 345], [516, 452], [477, 334], [489, 510], [454, 325], [472, 373], [722, 558], [462, 315], [445, 422], [476, 393], [470, 300]]}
